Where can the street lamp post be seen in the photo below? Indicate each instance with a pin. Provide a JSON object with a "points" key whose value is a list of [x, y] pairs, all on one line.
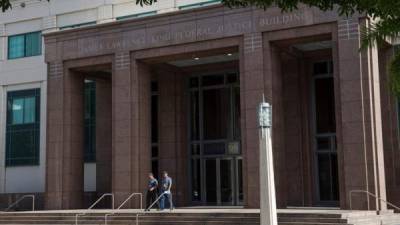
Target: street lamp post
{"points": [[268, 214]]}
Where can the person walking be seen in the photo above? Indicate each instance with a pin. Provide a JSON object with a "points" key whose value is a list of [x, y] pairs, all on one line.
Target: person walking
{"points": [[166, 186], [151, 194]]}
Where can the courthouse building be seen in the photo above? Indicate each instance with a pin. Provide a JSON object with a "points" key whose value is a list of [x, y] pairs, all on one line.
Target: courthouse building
{"points": [[176, 87]]}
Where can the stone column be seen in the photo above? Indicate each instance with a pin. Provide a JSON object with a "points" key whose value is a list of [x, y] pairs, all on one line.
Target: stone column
{"points": [[361, 118], [131, 127], [64, 176], [122, 159], [103, 136], [141, 125], [172, 142], [251, 90], [274, 95], [390, 128]]}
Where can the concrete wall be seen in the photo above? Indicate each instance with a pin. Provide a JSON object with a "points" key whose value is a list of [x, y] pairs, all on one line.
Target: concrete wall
{"points": [[24, 179]]}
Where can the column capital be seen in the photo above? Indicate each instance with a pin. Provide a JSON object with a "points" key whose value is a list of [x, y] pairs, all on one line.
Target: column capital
{"points": [[348, 29], [252, 42], [122, 60], [49, 23], [55, 69]]}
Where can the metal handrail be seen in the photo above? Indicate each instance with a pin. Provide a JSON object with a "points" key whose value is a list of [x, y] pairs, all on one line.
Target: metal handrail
{"points": [[373, 195], [20, 199], [139, 214], [159, 197], [130, 196], [94, 204], [123, 203], [137, 217]]}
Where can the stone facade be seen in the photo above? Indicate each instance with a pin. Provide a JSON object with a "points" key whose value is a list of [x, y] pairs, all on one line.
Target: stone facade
{"points": [[129, 50]]}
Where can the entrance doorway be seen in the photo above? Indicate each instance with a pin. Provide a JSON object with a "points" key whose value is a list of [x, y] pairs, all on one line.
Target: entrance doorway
{"points": [[325, 151], [220, 186], [97, 117], [216, 164]]}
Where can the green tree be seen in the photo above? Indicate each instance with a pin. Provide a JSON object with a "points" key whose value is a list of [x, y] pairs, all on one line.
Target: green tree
{"points": [[386, 14], [5, 4]]}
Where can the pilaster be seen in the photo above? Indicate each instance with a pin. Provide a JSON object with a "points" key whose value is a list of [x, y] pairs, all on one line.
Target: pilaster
{"points": [[122, 106], [103, 136], [64, 176], [141, 124], [172, 142], [252, 91], [361, 117], [274, 95]]}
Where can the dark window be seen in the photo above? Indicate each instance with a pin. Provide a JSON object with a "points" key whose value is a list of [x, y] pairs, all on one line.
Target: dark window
{"points": [[154, 118], [24, 45], [325, 105], [154, 87], [154, 168], [328, 177], [240, 180], [211, 80], [236, 113], [232, 78], [196, 180], [154, 128], [216, 113], [23, 128], [90, 122], [195, 115], [195, 149], [323, 68], [154, 151], [194, 82], [214, 148], [211, 181]]}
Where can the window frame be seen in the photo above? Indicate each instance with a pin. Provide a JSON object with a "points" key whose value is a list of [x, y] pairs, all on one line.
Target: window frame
{"points": [[90, 122], [72, 26], [25, 45], [34, 158], [137, 15], [199, 4]]}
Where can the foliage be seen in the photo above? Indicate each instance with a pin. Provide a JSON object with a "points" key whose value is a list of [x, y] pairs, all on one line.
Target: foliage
{"points": [[5, 4]]}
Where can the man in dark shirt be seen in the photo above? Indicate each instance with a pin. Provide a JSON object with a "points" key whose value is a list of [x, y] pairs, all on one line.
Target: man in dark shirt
{"points": [[166, 186], [151, 194]]}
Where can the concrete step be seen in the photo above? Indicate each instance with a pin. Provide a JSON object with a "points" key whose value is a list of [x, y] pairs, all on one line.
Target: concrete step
{"points": [[312, 220], [182, 217]]}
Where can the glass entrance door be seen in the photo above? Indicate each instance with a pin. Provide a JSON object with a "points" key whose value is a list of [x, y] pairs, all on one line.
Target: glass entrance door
{"points": [[219, 181], [215, 139], [325, 154]]}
